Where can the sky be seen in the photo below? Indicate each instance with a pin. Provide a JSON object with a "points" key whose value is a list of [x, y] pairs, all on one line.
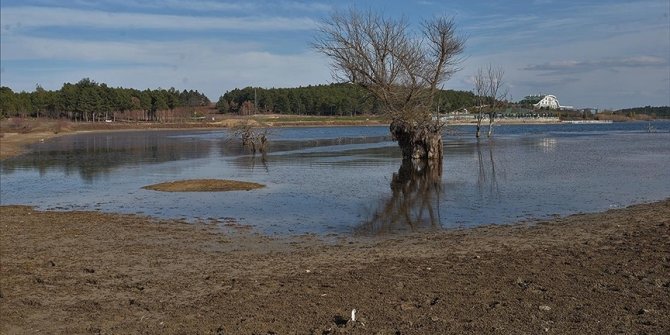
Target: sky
{"points": [[603, 54]]}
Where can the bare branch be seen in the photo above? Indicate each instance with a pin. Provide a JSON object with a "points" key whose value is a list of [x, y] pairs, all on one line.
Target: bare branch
{"points": [[491, 94], [382, 55], [399, 68]]}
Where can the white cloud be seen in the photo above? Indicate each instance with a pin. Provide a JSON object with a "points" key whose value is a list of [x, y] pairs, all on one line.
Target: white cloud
{"points": [[138, 52], [599, 55], [614, 55], [20, 18], [303, 6], [568, 66], [564, 24], [249, 6], [581, 73], [191, 5], [204, 5], [209, 66]]}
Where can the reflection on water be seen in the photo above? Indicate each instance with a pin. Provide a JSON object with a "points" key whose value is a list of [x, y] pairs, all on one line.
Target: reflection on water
{"points": [[95, 155], [414, 202], [547, 144], [487, 179], [416, 189], [349, 179]]}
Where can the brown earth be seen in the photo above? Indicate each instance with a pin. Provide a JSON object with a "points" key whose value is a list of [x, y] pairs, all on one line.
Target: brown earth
{"points": [[13, 144], [204, 185], [87, 272]]}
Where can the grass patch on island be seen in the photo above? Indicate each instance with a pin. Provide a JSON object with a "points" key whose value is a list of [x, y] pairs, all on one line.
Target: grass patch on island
{"points": [[204, 185]]}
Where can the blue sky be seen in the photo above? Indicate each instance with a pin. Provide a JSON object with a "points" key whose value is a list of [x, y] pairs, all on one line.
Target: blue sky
{"points": [[605, 54]]}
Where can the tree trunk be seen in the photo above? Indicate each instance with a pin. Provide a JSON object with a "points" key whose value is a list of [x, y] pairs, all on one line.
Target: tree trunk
{"points": [[418, 141], [479, 118], [491, 121]]}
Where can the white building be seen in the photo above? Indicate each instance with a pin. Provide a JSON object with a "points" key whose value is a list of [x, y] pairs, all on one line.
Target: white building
{"points": [[548, 101]]}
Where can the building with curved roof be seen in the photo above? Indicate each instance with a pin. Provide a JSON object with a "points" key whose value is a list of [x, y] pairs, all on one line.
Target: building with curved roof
{"points": [[542, 101], [548, 101]]}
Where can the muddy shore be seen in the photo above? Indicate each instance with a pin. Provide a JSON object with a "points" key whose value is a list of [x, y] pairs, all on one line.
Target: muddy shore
{"points": [[88, 272]]}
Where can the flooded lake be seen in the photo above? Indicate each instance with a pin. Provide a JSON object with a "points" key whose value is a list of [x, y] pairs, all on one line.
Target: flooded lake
{"points": [[350, 180]]}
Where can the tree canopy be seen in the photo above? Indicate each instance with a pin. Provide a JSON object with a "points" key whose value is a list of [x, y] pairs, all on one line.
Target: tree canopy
{"points": [[331, 99], [400, 67], [88, 100]]}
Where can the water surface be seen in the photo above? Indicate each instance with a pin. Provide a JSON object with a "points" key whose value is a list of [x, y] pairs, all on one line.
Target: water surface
{"points": [[350, 179]]}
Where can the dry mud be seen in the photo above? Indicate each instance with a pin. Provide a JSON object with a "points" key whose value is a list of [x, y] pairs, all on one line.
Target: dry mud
{"points": [[87, 272], [204, 185]]}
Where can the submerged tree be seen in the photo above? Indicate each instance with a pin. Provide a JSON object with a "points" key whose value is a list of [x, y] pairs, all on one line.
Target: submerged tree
{"points": [[490, 95], [401, 69], [255, 139]]}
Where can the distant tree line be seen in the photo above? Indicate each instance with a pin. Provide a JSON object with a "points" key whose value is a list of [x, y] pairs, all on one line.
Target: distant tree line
{"points": [[90, 101], [662, 112], [332, 99]]}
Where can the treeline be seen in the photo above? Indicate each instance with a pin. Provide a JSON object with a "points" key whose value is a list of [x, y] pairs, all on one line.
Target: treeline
{"points": [[332, 99], [659, 112], [90, 101]]}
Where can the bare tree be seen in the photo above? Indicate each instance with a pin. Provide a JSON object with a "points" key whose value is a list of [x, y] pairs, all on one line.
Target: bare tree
{"points": [[490, 94], [480, 95], [253, 138], [401, 69]]}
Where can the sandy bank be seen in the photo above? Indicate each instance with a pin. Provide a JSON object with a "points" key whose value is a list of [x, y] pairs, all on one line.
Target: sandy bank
{"points": [[87, 272]]}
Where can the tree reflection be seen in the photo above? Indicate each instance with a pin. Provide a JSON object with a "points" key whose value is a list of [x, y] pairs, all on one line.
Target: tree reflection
{"points": [[414, 201], [487, 177], [99, 154], [417, 188], [251, 161]]}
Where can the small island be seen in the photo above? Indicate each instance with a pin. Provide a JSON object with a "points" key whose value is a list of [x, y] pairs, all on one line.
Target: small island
{"points": [[204, 185]]}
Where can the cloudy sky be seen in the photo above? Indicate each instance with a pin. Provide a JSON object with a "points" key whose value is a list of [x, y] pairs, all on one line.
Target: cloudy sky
{"points": [[605, 54]]}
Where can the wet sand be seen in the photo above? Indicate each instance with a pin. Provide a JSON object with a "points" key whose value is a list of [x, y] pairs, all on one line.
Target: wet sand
{"points": [[13, 144], [88, 272]]}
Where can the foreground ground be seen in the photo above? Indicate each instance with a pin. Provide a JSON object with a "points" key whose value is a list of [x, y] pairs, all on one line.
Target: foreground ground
{"points": [[86, 272]]}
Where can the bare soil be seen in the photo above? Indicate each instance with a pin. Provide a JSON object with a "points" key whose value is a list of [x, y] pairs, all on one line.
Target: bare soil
{"points": [[204, 185], [88, 272]]}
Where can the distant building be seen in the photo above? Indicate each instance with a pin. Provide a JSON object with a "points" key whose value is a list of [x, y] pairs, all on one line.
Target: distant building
{"points": [[548, 101], [541, 101]]}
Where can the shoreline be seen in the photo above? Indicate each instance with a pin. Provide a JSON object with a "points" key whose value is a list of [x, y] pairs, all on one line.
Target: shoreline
{"points": [[15, 143], [90, 272]]}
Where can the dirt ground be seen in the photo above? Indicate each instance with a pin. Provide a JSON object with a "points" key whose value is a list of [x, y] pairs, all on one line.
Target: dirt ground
{"points": [[88, 272], [204, 185]]}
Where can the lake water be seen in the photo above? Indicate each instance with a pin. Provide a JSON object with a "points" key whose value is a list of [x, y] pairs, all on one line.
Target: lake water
{"points": [[350, 180]]}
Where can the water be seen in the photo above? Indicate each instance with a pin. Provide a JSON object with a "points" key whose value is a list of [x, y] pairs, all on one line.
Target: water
{"points": [[350, 179]]}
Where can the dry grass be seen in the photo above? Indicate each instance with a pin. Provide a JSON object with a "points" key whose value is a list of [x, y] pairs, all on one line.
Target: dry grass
{"points": [[204, 185]]}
